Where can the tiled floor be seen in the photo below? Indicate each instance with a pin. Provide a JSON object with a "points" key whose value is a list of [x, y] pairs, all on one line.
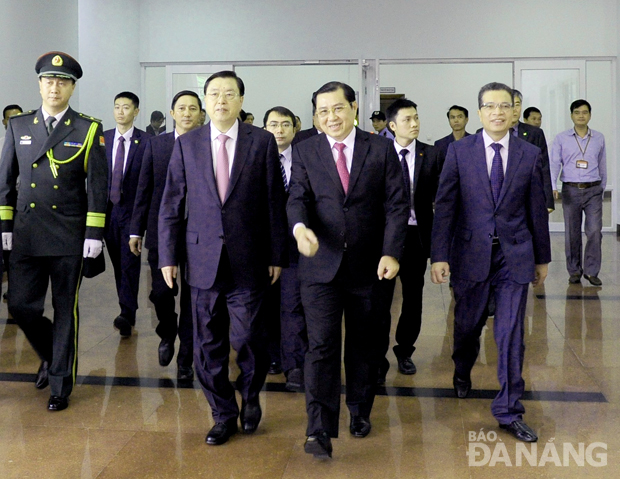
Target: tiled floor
{"points": [[148, 428]]}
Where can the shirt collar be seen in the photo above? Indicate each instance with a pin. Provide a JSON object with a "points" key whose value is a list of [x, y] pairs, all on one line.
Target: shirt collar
{"points": [[488, 140], [232, 133], [288, 153], [410, 147], [349, 141], [574, 133], [58, 116], [127, 135]]}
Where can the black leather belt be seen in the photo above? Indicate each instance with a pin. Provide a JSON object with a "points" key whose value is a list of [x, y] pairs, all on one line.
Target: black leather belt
{"points": [[582, 186]]}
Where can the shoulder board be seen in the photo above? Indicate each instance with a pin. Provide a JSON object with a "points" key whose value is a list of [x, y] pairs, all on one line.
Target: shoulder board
{"points": [[26, 113], [86, 117]]}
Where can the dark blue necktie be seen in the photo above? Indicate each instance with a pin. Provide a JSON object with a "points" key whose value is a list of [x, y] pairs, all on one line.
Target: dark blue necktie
{"points": [[497, 172], [403, 162], [117, 172], [283, 171]]}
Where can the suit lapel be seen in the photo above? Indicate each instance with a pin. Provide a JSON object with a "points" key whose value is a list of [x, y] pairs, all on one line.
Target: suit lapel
{"points": [[360, 151], [514, 158], [204, 145], [244, 144], [59, 133], [326, 157], [134, 144], [480, 160], [417, 165]]}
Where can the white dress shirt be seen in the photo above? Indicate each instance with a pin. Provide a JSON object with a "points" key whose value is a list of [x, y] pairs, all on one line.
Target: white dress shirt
{"points": [[127, 135]]}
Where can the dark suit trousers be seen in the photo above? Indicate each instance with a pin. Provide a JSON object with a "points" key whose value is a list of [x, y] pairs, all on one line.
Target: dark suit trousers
{"points": [[126, 264], [324, 304], [508, 327], [163, 298], [54, 342], [293, 320], [227, 315], [412, 271], [271, 313]]}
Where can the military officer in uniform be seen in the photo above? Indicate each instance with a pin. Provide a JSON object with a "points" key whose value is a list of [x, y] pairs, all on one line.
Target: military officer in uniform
{"points": [[55, 218]]}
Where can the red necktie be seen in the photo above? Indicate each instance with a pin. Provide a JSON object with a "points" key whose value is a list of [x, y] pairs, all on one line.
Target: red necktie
{"points": [[221, 169], [341, 166]]}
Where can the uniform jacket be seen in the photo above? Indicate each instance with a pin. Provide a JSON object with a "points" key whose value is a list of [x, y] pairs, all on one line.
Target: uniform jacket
{"points": [[369, 222], [251, 221], [132, 169], [52, 216], [151, 183], [466, 216]]}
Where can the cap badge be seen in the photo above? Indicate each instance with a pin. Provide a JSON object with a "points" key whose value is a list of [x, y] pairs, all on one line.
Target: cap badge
{"points": [[57, 61]]}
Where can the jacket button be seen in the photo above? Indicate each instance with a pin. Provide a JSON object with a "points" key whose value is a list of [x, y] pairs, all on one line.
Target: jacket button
{"points": [[35, 165], [223, 211], [490, 235], [345, 209], [342, 233], [55, 187], [54, 207], [32, 205], [33, 185]]}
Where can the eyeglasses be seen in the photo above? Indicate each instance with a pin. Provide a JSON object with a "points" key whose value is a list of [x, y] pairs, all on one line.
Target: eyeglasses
{"points": [[490, 106], [337, 110], [274, 124], [215, 95]]}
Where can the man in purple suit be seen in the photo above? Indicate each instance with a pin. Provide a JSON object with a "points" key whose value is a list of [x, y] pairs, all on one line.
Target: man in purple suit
{"points": [[186, 106], [228, 175], [491, 232]]}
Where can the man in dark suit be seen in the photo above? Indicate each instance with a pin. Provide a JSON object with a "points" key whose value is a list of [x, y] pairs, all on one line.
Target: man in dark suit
{"points": [[185, 111], [55, 218], [285, 294], [348, 211], [536, 137], [228, 175], [458, 117], [491, 232], [124, 150], [310, 132], [420, 173]]}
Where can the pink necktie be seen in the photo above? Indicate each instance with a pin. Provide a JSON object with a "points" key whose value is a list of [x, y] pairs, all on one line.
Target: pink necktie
{"points": [[221, 169], [341, 166]]}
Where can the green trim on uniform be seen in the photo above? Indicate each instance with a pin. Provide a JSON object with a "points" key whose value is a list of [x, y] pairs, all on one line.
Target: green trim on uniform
{"points": [[95, 220], [88, 143], [6, 213]]}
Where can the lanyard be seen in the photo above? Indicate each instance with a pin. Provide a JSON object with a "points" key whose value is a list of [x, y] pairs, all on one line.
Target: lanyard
{"points": [[583, 151]]}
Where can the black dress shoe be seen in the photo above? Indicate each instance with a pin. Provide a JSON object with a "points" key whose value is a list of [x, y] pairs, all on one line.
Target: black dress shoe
{"points": [[221, 432], [274, 368], [123, 325], [406, 366], [360, 426], [250, 416], [41, 380], [319, 445], [521, 431], [185, 373], [461, 387], [166, 351], [295, 380], [594, 280], [57, 403], [574, 278]]}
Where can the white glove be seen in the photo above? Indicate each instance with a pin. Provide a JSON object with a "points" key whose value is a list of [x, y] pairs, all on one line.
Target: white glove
{"points": [[92, 248], [7, 241]]}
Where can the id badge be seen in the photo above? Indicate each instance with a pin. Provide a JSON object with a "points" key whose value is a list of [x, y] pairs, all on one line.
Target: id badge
{"points": [[583, 164]]}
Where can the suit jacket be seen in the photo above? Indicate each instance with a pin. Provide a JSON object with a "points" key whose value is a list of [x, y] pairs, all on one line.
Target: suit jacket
{"points": [[425, 180], [536, 136], [132, 170], [466, 216], [442, 148], [368, 222], [52, 216], [251, 222], [151, 183], [304, 135]]}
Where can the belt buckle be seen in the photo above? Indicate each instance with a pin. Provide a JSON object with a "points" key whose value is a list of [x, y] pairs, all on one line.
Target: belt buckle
{"points": [[581, 186]]}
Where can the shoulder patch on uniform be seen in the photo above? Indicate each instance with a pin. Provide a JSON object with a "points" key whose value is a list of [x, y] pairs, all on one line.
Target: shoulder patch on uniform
{"points": [[90, 118]]}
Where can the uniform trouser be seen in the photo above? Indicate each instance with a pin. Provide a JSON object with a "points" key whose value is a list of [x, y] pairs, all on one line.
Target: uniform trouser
{"points": [[324, 304], [229, 315], [54, 342], [575, 203], [292, 320], [470, 315], [163, 298], [412, 270], [126, 264]]}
